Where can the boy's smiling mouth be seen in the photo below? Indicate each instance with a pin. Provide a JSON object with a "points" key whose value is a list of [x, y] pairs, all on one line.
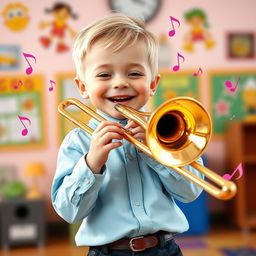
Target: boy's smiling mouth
{"points": [[121, 98]]}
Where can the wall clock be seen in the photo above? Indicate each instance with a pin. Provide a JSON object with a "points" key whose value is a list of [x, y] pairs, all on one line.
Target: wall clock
{"points": [[143, 9]]}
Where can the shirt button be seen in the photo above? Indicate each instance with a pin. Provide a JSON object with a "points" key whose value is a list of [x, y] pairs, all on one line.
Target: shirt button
{"points": [[137, 203]]}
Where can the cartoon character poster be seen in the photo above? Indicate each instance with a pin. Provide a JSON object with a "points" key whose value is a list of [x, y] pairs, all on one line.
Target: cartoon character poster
{"points": [[198, 30], [60, 13]]}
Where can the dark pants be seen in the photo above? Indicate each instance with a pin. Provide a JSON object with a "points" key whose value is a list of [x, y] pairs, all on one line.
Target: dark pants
{"points": [[170, 248]]}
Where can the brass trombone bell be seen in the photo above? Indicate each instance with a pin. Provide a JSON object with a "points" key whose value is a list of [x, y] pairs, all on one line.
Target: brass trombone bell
{"points": [[177, 133]]}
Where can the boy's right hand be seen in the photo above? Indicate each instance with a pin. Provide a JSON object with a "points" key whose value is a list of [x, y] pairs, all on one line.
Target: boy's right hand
{"points": [[101, 144]]}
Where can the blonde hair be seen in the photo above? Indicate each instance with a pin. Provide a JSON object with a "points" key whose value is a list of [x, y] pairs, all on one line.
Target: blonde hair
{"points": [[116, 31]]}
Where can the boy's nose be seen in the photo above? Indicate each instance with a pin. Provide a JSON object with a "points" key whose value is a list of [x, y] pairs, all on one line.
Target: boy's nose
{"points": [[119, 84]]}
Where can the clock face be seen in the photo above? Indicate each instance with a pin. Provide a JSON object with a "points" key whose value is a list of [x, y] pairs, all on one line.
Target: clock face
{"points": [[143, 9]]}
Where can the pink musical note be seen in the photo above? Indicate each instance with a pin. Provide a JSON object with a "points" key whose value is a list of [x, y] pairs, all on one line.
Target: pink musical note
{"points": [[239, 168], [29, 70], [230, 85], [25, 130], [200, 70], [177, 67], [172, 32], [19, 84], [51, 87]]}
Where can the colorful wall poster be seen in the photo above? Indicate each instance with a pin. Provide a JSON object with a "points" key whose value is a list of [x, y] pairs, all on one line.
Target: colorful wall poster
{"points": [[172, 85], [21, 115], [232, 97]]}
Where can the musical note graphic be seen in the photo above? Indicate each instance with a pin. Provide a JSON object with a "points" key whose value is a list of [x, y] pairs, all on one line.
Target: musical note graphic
{"points": [[19, 84], [177, 67], [51, 87], [239, 168], [230, 85], [200, 70], [29, 70], [25, 130], [172, 32]]}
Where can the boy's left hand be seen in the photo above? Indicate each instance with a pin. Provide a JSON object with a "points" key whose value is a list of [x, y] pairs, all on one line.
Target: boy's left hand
{"points": [[136, 131]]}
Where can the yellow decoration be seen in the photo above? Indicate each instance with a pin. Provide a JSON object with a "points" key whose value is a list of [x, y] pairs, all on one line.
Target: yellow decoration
{"points": [[15, 16], [34, 170]]}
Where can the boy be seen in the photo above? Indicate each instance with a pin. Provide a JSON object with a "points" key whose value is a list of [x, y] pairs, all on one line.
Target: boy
{"points": [[124, 198]]}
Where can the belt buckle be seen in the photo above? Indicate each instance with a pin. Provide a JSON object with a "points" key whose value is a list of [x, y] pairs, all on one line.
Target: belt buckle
{"points": [[132, 245]]}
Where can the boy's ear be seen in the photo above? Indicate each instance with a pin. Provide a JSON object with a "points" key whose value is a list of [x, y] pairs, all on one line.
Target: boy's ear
{"points": [[82, 88], [154, 85]]}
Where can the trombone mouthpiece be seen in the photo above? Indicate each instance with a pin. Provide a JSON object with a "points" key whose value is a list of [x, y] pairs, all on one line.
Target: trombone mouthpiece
{"points": [[116, 106]]}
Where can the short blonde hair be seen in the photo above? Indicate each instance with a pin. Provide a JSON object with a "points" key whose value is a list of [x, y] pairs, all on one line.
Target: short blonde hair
{"points": [[116, 31]]}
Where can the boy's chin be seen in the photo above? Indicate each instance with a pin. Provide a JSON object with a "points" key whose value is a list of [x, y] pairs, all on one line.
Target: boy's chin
{"points": [[117, 115]]}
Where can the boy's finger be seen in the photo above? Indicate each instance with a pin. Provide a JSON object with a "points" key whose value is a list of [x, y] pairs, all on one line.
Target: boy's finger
{"points": [[131, 124], [108, 137], [137, 129], [113, 145], [107, 127], [107, 123]]}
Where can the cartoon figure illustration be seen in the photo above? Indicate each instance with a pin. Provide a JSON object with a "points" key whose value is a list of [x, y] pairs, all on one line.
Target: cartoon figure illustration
{"points": [[61, 13], [197, 20], [16, 16]]}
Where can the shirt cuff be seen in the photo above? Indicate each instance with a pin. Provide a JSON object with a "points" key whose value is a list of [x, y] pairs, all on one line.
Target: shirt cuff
{"points": [[84, 180]]}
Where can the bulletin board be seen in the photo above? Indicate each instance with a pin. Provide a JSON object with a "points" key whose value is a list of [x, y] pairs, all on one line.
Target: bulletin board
{"points": [[21, 115], [172, 85], [67, 89], [226, 105]]}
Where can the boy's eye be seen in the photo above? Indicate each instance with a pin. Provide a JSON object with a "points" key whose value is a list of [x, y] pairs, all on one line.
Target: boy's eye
{"points": [[104, 75], [135, 74]]}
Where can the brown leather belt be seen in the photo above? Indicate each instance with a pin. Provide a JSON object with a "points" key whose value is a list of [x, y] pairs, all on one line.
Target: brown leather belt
{"points": [[139, 243]]}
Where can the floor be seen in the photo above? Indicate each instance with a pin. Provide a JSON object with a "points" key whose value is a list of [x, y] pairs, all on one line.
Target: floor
{"points": [[211, 244]]}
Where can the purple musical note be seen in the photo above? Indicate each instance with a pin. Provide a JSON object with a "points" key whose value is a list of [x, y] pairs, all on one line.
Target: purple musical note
{"points": [[239, 168], [29, 70], [197, 74], [19, 84], [177, 67], [51, 87], [172, 32], [230, 85], [25, 130]]}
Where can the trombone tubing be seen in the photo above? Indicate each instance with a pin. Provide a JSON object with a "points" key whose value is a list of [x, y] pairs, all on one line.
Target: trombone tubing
{"points": [[227, 188]]}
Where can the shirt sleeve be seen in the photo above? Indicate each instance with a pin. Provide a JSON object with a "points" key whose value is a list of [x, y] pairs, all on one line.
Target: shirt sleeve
{"points": [[174, 183], [75, 187]]}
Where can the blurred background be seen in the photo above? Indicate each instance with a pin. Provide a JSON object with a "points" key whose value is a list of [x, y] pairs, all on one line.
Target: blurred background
{"points": [[207, 51]]}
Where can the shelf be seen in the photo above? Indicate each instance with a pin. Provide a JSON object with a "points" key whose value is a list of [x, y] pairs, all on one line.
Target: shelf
{"points": [[241, 147]]}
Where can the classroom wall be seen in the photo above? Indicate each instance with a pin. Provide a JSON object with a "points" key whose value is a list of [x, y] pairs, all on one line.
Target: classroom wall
{"points": [[223, 16]]}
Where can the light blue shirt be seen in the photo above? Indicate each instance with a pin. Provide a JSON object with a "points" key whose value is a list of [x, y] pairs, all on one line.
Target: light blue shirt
{"points": [[133, 196]]}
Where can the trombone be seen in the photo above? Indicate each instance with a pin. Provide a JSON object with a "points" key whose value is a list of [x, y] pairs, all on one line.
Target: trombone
{"points": [[177, 133]]}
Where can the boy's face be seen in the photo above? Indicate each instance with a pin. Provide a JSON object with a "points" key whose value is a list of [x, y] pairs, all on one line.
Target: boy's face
{"points": [[117, 77]]}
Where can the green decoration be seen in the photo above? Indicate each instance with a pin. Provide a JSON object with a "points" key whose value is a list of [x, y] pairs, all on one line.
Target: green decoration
{"points": [[14, 189]]}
